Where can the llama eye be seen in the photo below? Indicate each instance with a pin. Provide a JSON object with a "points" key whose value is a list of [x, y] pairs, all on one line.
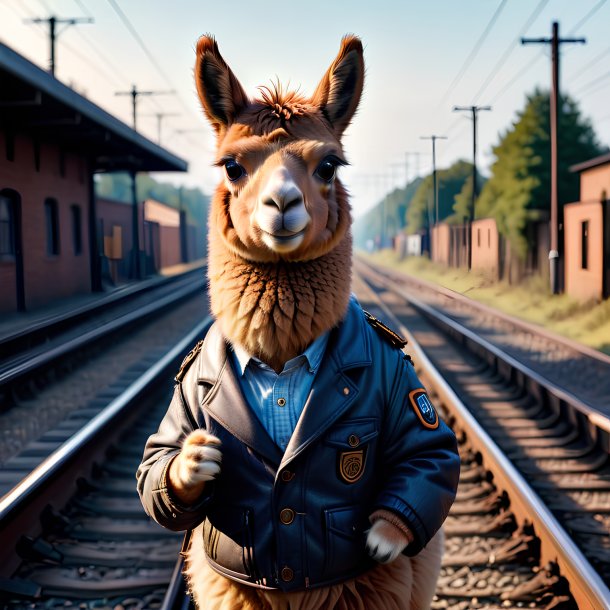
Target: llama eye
{"points": [[234, 170], [326, 170]]}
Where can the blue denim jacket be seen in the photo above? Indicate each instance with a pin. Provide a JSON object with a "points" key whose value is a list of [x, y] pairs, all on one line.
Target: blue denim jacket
{"points": [[368, 438]]}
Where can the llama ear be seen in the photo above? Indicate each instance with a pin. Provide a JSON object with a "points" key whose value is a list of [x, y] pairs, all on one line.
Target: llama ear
{"points": [[221, 95], [338, 93]]}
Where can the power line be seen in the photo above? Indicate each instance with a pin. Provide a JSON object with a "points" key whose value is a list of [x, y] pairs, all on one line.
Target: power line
{"points": [[135, 93], [530, 64], [53, 33], [595, 60], [511, 47], [524, 70], [586, 18], [474, 52], [433, 138], [140, 41]]}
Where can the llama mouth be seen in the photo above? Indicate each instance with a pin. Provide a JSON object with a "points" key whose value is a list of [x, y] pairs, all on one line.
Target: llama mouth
{"points": [[283, 241]]}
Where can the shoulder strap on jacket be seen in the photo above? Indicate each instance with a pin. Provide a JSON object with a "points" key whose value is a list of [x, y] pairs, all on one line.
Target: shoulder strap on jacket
{"points": [[186, 363], [384, 331]]}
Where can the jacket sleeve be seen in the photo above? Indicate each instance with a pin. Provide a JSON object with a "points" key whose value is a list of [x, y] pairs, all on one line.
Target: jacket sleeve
{"points": [[161, 447], [422, 460]]}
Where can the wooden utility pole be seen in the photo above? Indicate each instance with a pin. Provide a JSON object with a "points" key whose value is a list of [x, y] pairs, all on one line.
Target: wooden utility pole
{"points": [[434, 189], [556, 213], [135, 93], [53, 33], [474, 110]]}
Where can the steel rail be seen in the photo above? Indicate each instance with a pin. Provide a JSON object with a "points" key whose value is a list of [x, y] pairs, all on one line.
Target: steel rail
{"points": [[596, 418], [28, 365], [517, 322], [55, 323], [18, 498], [176, 597], [586, 585]]}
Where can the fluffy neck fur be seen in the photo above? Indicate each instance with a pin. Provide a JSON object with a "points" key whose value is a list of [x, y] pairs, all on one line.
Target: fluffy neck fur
{"points": [[275, 310]]}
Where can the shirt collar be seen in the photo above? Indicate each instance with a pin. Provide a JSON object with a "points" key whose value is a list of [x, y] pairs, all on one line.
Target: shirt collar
{"points": [[313, 354]]}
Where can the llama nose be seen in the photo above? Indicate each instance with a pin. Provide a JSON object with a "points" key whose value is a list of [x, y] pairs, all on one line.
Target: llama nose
{"points": [[281, 192]]}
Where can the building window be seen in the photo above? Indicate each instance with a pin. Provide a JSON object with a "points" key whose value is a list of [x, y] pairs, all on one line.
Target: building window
{"points": [[478, 238], [52, 225], [584, 244], [7, 227], [77, 231]]}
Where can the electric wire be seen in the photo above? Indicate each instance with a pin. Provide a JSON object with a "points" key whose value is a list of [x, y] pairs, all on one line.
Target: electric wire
{"points": [[128, 24], [474, 52], [511, 47]]}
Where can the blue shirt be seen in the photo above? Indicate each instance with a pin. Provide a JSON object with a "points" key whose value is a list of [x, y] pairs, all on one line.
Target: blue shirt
{"points": [[278, 400]]}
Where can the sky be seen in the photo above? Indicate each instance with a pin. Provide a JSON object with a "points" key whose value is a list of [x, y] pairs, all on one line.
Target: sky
{"points": [[423, 57]]}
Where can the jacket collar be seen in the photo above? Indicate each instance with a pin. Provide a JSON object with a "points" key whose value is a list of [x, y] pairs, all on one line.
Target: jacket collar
{"points": [[348, 347]]}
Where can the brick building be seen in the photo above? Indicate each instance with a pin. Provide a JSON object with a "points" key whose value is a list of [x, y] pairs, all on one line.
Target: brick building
{"points": [[587, 233], [52, 141]]}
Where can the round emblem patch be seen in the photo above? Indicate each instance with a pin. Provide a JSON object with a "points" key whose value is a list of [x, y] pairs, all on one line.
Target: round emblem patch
{"points": [[351, 465], [423, 408]]}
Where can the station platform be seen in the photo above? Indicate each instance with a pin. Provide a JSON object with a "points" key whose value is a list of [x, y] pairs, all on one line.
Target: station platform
{"points": [[15, 323]]}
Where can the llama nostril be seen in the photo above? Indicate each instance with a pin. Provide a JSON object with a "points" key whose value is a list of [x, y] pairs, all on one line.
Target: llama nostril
{"points": [[295, 201], [270, 201]]}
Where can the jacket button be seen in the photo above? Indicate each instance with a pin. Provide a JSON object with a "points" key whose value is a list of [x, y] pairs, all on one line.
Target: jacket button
{"points": [[287, 476], [287, 516], [353, 440], [287, 574], [281, 402]]}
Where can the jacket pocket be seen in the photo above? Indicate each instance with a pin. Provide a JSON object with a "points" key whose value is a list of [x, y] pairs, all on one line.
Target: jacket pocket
{"points": [[228, 540], [352, 433], [344, 540]]}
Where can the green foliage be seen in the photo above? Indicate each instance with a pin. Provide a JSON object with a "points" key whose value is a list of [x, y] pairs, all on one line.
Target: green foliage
{"points": [[520, 185], [118, 186], [369, 226], [451, 183]]}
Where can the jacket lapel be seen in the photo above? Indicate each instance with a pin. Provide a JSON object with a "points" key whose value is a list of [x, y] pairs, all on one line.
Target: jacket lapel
{"points": [[333, 392], [225, 401]]}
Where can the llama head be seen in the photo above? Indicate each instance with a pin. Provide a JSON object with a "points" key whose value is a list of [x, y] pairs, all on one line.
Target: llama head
{"points": [[280, 198]]}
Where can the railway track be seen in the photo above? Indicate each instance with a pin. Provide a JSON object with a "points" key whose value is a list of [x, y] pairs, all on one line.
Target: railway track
{"points": [[59, 343], [514, 426], [74, 532], [508, 545], [573, 367]]}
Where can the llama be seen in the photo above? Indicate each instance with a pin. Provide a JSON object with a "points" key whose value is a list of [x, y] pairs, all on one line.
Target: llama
{"points": [[344, 511]]}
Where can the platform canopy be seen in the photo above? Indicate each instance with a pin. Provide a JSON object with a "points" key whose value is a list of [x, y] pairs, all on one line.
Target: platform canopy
{"points": [[36, 103]]}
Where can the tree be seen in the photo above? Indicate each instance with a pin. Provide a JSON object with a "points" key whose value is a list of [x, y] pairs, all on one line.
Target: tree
{"points": [[369, 225], [450, 183], [520, 184]]}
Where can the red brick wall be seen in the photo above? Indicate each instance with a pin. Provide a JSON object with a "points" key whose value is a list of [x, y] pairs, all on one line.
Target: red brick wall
{"points": [[47, 277]]}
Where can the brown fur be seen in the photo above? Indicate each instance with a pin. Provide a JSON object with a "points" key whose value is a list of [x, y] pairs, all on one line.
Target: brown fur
{"points": [[274, 304], [275, 310], [407, 583]]}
